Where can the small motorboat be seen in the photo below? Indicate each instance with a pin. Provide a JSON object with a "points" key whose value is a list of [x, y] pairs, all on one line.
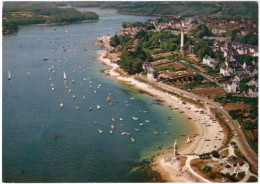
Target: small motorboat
{"points": [[84, 97], [113, 127], [98, 107], [77, 108], [155, 133], [113, 119], [54, 137], [100, 131], [95, 122], [121, 119], [74, 96], [125, 133], [136, 129], [147, 121], [89, 108], [73, 81], [69, 90], [135, 118], [110, 131], [141, 124], [132, 139], [61, 105], [132, 98]]}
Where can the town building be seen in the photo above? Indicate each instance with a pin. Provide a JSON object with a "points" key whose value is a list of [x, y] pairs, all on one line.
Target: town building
{"points": [[207, 60]]}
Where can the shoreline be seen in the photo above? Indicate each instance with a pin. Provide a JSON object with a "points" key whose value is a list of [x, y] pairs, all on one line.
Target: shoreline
{"points": [[205, 127]]}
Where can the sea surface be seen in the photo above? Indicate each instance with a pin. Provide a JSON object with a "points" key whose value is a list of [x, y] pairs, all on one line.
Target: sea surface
{"points": [[32, 116]]}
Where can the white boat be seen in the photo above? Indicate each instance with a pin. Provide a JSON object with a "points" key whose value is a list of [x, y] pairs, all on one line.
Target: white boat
{"points": [[64, 76], [135, 118], [95, 91], [84, 97], [98, 107], [73, 81], [136, 129], [121, 119], [53, 89], [132, 98], [147, 121], [113, 127], [89, 108], [100, 131], [113, 119], [85, 78], [74, 96], [28, 74], [141, 124], [69, 90], [125, 133], [111, 131], [77, 108], [61, 105], [9, 75]]}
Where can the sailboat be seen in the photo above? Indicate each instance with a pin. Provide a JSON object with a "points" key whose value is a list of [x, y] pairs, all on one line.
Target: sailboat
{"points": [[64, 76], [9, 75]]}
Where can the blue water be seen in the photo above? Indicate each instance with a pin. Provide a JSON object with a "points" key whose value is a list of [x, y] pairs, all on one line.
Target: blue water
{"points": [[31, 112]]}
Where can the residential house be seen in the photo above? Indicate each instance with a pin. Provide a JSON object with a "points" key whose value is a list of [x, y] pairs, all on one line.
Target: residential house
{"points": [[207, 60], [226, 71], [149, 69], [232, 87], [253, 91], [248, 65]]}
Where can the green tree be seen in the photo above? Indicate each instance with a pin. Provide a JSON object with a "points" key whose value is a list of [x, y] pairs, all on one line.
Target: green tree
{"points": [[114, 41]]}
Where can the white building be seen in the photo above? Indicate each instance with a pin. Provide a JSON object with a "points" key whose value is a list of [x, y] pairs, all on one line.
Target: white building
{"points": [[150, 72], [207, 60], [226, 71], [232, 87]]}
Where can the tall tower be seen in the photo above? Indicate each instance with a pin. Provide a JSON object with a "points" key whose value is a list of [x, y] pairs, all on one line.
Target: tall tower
{"points": [[182, 41], [175, 152]]}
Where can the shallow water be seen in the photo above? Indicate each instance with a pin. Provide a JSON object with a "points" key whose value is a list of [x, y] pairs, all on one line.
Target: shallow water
{"points": [[31, 112]]}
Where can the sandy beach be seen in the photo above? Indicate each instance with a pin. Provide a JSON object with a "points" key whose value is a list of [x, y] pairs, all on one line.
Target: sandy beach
{"points": [[208, 135]]}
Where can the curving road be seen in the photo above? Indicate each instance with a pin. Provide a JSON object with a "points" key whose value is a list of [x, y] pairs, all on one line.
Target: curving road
{"points": [[251, 156]]}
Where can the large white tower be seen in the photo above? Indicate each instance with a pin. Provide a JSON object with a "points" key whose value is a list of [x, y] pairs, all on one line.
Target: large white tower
{"points": [[182, 41], [175, 153]]}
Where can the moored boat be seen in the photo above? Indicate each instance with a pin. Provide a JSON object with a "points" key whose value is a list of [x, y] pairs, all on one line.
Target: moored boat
{"points": [[134, 118], [9, 75], [132, 139]]}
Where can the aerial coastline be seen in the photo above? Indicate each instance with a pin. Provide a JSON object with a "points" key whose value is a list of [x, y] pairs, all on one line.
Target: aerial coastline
{"points": [[198, 117]]}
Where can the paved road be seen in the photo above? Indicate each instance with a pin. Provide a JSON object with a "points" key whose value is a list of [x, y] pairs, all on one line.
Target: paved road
{"points": [[251, 156]]}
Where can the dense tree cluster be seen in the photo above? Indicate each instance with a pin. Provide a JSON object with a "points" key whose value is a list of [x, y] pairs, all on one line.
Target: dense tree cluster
{"points": [[40, 13]]}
